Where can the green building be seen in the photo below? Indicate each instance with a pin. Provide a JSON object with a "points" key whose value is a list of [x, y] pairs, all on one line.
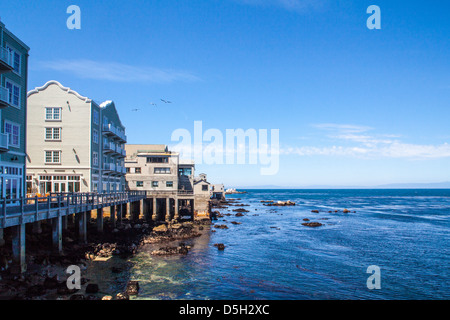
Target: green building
{"points": [[13, 111]]}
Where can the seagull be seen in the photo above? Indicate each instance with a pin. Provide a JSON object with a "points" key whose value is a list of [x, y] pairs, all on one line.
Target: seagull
{"points": [[135, 109], [153, 104], [166, 101]]}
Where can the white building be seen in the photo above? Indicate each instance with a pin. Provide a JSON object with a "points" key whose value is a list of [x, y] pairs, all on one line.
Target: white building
{"points": [[74, 144]]}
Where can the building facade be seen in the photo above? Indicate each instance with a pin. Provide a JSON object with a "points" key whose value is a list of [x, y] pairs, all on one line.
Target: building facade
{"points": [[13, 114], [169, 182], [74, 144]]}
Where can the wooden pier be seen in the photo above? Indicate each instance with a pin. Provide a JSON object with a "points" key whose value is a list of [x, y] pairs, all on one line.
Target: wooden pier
{"points": [[16, 213]]}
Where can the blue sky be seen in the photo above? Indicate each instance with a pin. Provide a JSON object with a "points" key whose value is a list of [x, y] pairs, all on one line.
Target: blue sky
{"points": [[353, 106]]}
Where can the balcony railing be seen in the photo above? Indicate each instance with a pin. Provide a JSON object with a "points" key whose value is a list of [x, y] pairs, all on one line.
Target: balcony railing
{"points": [[4, 97], [6, 62], [109, 129], [109, 167], [116, 133], [109, 147], [4, 142]]}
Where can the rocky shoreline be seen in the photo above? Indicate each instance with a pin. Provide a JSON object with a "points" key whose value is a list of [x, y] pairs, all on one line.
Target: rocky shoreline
{"points": [[46, 276]]}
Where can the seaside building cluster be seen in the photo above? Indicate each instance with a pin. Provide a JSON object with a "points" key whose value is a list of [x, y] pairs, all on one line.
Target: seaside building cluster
{"points": [[54, 140]]}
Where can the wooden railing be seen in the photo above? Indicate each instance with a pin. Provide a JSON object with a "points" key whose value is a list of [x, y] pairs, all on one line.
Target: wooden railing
{"points": [[30, 209]]}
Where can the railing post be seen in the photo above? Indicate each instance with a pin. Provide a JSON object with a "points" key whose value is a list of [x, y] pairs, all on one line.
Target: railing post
{"points": [[21, 210], [4, 212]]}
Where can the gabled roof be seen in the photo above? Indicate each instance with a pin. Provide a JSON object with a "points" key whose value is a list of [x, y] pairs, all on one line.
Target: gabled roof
{"points": [[198, 181], [111, 104], [54, 82]]}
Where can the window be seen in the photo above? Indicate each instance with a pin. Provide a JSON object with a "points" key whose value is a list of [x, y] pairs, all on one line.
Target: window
{"points": [[14, 93], [15, 59], [137, 170], [162, 170], [139, 183], [128, 170], [13, 132], [157, 159], [53, 114], [184, 171], [95, 136], [205, 187], [96, 117], [52, 156], [95, 158], [52, 133], [154, 183], [169, 184]]}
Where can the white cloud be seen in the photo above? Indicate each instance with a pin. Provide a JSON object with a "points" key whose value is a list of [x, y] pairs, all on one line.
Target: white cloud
{"points": [[117, 72], [368, 146]]}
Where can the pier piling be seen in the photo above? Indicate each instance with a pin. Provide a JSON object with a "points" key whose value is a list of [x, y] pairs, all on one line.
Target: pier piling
{"points": [[18, 249], [57, 234], [100, 220]]}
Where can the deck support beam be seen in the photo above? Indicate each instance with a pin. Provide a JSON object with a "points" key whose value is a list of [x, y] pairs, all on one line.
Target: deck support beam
{"points": [[82, 228], [18, 249], [57, 234], [167, 209], [100, 220], [112, 216], [2, 240], [176, 214], [154, 211]]}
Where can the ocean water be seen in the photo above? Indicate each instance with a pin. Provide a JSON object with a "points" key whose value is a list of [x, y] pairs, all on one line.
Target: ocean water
{"points": [[271, 255]]}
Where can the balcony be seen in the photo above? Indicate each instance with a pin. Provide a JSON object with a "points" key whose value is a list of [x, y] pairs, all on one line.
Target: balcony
{"points": [[109, 129], [120, 151], [113, 132], [109, 167], [4, 97], [109, 147], [6, 62], [120, 170], [4, 143]]}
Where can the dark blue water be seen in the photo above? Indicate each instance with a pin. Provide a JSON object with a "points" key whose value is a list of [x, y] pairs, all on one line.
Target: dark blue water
{"points": [[270, 255]]}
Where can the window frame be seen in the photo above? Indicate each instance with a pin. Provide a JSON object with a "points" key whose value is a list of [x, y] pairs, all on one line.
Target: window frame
{"points": [[53, 134], [11, 93], [53, 113], [11, 134], [52, 156], [13, 52]]}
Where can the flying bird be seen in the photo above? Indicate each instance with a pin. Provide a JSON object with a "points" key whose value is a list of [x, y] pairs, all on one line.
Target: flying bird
{"points": [[135, 109], [166, 101], [153, 104]]}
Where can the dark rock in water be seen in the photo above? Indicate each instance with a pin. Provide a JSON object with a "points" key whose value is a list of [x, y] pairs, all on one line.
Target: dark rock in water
{"points": [[220, 246], [132, 288], [166, 251], [92, 288], [315, 211], [35, 291], [51, 283], [77, 297], [239, 214], [312, 224], [234, 222], [240, 210], [305, 219], [220, 226]]}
